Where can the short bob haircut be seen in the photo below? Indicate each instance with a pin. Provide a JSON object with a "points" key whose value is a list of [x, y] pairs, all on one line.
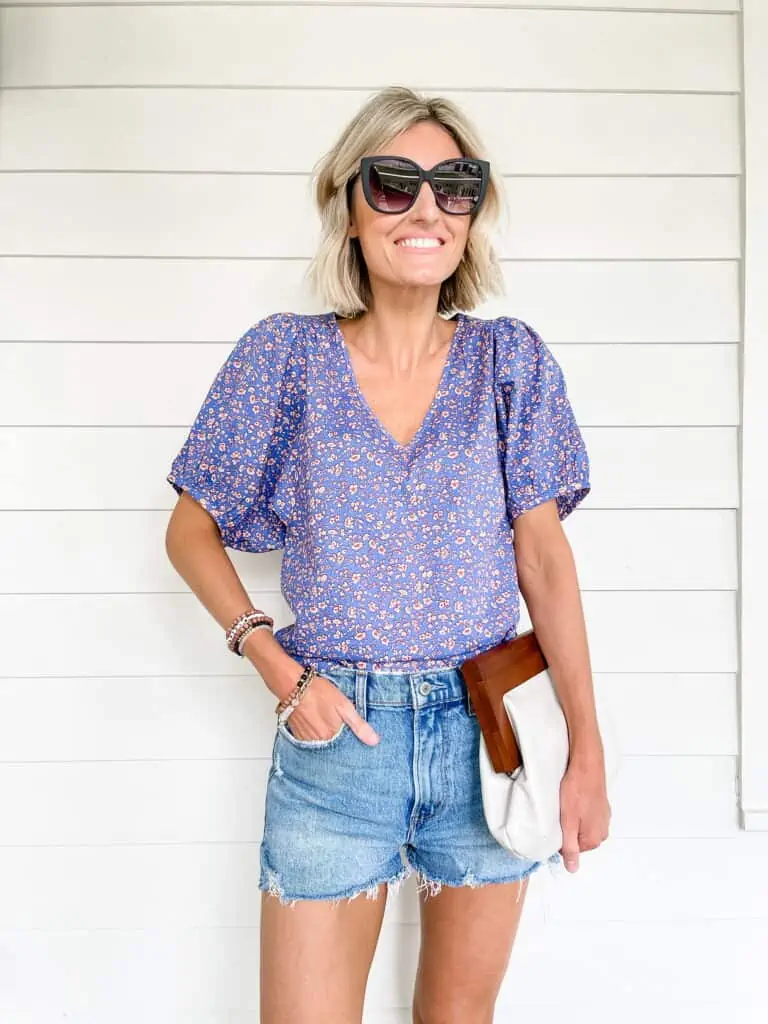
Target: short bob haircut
{"points": [[337, 273]]}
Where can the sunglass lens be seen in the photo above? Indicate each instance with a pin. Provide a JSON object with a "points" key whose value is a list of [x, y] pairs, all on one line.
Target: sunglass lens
{"points": [[393, 184], [458, 185]]}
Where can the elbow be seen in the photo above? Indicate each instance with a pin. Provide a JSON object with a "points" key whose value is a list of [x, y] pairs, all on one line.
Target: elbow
{"points": [[172, 541], [542, 558]]}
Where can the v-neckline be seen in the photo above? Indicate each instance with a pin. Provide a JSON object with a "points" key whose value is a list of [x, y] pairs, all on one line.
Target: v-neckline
{"points": [[442, 387]]}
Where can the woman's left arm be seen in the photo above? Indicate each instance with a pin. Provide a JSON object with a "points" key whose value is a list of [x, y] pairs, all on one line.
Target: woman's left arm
{"points": [[547, 578]]}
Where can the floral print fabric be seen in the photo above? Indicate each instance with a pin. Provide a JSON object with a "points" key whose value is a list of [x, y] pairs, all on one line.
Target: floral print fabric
{"points": [[395, 556]]}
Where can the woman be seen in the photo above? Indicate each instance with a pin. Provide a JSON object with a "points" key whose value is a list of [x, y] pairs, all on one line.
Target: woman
{"points": [[366, 443]]}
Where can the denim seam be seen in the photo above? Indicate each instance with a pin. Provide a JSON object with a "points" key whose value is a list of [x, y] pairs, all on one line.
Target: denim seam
{"points": [[447, 702]]}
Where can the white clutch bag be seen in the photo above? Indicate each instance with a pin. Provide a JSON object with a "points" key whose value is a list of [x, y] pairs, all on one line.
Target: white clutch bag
{"points": [[524, 747]]}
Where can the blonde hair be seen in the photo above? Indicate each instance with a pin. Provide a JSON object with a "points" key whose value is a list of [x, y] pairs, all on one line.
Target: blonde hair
{"points": [[337, 272]]}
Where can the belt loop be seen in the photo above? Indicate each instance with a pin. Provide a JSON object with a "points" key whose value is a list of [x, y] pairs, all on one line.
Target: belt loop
{"points": [[467, 698], [414, 695], [361, 702]]}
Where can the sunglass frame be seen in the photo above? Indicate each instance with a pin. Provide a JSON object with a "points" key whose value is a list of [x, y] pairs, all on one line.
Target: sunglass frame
{"points": [[424, 175]]}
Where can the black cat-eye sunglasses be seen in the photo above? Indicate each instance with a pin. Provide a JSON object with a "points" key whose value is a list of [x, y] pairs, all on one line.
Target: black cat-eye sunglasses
{"points": [[392, 183]]}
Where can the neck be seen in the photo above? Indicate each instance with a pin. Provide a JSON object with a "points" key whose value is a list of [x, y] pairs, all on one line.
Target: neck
{"points": [[401, 334]]}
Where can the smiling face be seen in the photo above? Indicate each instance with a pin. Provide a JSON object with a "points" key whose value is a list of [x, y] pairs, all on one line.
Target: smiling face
{"points": [[423, 246]]}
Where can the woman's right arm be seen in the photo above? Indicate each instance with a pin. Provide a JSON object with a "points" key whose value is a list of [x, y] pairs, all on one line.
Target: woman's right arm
{"points": [[195, 549]]}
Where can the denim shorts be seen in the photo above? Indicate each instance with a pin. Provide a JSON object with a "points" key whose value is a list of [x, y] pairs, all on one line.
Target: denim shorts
{"points": [[341, 816]]}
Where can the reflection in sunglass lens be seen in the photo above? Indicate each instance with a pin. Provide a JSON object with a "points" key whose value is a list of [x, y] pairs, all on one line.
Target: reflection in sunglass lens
{"points": [[457, 185], [394, 184]]}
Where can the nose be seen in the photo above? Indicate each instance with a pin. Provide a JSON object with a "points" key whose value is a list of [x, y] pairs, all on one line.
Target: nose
{"points": [[425, 207]]}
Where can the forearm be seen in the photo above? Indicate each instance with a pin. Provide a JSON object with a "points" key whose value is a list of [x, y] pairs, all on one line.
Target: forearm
{"points": [[197, 554], [551, 593]]}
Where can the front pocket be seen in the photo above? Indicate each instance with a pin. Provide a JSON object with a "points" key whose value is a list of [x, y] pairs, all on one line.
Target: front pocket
{"points": [[286, 734]]}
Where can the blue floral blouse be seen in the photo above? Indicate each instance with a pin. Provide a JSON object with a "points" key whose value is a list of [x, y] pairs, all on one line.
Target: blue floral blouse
{"points": [[397, 556]]}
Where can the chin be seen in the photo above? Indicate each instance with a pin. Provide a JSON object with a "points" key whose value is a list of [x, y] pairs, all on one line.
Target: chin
{"points": [[421, 282]]}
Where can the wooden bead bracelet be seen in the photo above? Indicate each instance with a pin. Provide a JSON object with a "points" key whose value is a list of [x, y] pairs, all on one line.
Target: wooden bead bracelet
{"points": [[252, 618]]}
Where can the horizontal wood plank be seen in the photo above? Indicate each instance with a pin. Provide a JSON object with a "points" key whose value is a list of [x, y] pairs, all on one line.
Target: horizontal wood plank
{"points": [[170, 976], [222, 800], [204, 215], [155, 718], [633, 467], [173, 634], [615, 549], [225, 45], [211, 885], [164, 384], [694, 6], [210, 300], [285, 130]]}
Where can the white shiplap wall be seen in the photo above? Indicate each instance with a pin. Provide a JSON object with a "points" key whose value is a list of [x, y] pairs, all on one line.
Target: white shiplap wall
{"points": [[154, 204]]}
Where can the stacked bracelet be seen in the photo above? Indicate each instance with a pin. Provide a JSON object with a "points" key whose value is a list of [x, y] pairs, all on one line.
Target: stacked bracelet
{"points": [[286, 706], [244, 624], [252, 628]]}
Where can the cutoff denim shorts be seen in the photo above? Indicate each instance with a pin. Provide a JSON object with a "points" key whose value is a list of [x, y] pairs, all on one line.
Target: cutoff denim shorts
{"points": [[341, 816]]}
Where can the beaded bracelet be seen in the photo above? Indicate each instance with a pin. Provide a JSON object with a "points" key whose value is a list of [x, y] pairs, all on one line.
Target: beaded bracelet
{"points": [[286, 706], [250, 629], [250, 617], [304, 680]]}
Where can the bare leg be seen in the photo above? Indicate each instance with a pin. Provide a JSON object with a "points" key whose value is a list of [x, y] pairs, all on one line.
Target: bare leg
{"points": [[467, 936], [316, 957]]}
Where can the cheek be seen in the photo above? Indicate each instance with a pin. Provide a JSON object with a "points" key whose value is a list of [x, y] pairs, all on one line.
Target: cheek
{"points": [[458, 246], [461, 236], [377, 247]]}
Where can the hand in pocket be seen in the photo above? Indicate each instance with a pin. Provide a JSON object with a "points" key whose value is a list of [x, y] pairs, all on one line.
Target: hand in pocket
{"points": [[322, 710]]}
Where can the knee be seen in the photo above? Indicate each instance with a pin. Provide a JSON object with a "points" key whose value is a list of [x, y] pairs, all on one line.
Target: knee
{"points": [[452, 1013]]}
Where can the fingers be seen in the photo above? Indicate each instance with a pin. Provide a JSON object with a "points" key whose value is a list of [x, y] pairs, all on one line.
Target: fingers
{"points": [[317, 720], [349, 713], [362, 729], [570, 847]]}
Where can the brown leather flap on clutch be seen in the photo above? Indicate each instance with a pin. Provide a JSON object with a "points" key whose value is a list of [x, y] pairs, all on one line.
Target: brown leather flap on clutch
{"points": [[489, 676]]}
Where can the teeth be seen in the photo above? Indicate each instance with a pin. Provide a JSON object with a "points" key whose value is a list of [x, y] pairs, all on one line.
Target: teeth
{"points": [[420, 243]]}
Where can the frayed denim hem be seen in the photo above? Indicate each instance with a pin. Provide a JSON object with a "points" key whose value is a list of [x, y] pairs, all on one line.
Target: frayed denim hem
{"points": [[270, 883], [431, 886]]}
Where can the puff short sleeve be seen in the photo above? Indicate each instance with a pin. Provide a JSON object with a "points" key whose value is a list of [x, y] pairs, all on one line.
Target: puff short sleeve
{"points": [[543, 452], [236, 449]]}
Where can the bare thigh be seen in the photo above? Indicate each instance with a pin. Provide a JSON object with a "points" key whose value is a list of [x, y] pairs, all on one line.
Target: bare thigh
{"points": [[316, 957], [467, 936]]}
